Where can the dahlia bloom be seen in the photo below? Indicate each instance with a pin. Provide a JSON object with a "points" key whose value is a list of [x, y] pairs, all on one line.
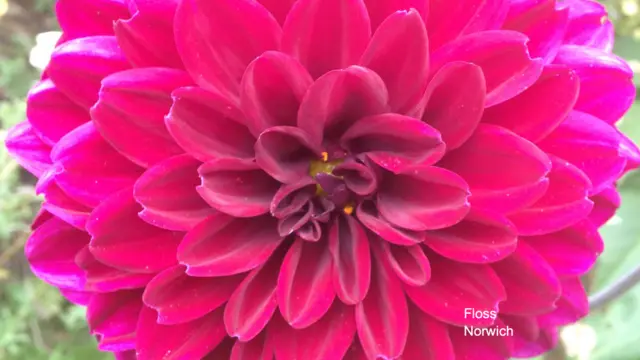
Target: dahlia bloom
{"points": [[325, 179]]}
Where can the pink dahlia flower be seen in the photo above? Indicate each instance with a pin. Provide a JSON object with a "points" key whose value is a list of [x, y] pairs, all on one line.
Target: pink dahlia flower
{"points": [[325, 179]]}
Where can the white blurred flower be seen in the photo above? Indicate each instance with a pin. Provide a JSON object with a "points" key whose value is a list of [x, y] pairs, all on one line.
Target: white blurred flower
{"points": [[45, 44], [579, 340]]}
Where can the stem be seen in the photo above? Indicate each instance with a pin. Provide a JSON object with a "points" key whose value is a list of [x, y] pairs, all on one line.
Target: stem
{"points": [[615, 290]]}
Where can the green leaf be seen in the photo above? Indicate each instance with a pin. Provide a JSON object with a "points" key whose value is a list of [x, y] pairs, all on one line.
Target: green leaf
{"points": [[628, 47]]}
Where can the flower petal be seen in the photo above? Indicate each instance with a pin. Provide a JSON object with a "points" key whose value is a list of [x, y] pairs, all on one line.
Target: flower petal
{"points": [[208, 126], [369, 216], [380, 10], [605, 205], [222, 245], [78, 18], [423, 198], [112, 317], [285, 153], [28, 149], [326, 34], [589, 25], [278, 8], [485, 347], [349, 246], [408, 262], [572, 306], [502, 54], [59, 203], [394, 141], [357, 177], [256, 349], [211, 38], [428, 338], [292, 198], [102, 278]]}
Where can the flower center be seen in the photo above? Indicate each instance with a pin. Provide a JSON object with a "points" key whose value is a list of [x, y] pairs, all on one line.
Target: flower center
{"points": [[329, 185]]}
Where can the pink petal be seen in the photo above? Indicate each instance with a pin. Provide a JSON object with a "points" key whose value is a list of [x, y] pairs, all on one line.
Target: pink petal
{"points": [[272, 88], [78, 18], [369, 216], [428, 338], [453, 110], [606, 81], [167, 193], [328, 107], [455, 287], [28, 149], [605, 205], [191, 340], [179, 298], [102, 278], [503, 57], [236, 187], [305, 291], [349, 246], [122, 240], [535, 112], [130, 113], [256, 349], [147, 37], [546, 340], [326, 34], [76, 297], [358, 177], [589, 25], [222, 245], [78, 66], [497, 164], [112, 317], [208, 126], [394, 141], [211, 38], [571, 251], [51, 113], [399, 53], [382, 318], [51, 251], [222, 351], [328, 338], [254, 301], [59, 203], [125, 355], [482, 237], [379, 10], [572, 306], [423, 198], [278, 8], [591, 145], [531, 284], [408, 262], [292, 198], [564, 203], [82, 177], [355, 352], [484, 347]]}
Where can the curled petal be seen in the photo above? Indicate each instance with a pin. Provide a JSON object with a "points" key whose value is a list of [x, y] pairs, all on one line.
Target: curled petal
{"points": [[208, 126], [605, 205], [59, 203], [292, 198], [222, 245], [285, 153], [211, 38], [102, 278], [298, 221], [408, 262], [589, 25], [167, 193], [28, 149], [423, 198], [368, 214], [572, 306], [112, 317], [326, 35], [482, 237], [236, 187], [380, 10], [358, 177]]}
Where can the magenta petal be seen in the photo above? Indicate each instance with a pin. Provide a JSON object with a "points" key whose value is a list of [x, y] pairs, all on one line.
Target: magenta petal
{"points": [[286, 152], [355, 352], [256, 349], [82, 177], [167, 193], [191, 340], [80, 298], [379, 10], [482, 237], [254, 301], [423, 198], [454, 287], [606, 81], [605, 205], [497, 163], [399, 53], [78, 66], [122, 240], [571, 251], [385, 304], [179, 298], [329, 107], [130, 113], [326, 35], [591, 145], [349, 246], [211, 38], [328, 338], [51, 251], [222, 245], [531, 284], [564, 203], [59, 203], [485, 347], [51, 113], [208, 126], [394, 141], [453, 110], [408, 262], [147, 38], [237, 187], [222, 351], [103, 278], [271, 90], [113, 317], [358, 177], [368, 214], [292, 198], [589, 25], [28, 149], [572, 306], [503, 57], [428, 338], [78, 18], [541, 108], [278, 8], [305, 291]]}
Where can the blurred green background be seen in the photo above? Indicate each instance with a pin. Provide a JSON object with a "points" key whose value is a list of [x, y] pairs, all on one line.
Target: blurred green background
{"points": [[37, 323]]}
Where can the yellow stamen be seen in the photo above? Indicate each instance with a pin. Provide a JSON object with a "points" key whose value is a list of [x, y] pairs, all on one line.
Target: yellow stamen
{"points": [[348, 209], [325, 156]]}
